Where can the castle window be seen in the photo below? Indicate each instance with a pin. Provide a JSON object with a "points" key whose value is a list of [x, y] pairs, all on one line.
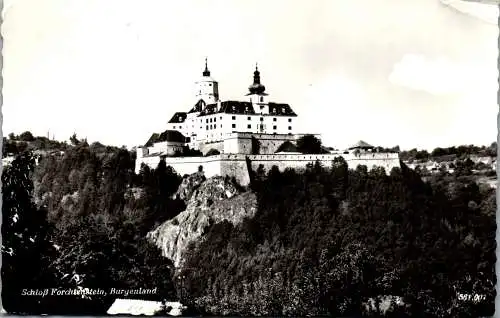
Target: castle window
{"points": [[261, 118], [234, 117], [249, 126], [261, 99], [289, 127], [220, 126], [207, 127], [180, 127], [207, 120], [220, 117], [174, 127], [234, 125], [274, 119], [215, 119], [289, 120], [249, 118], [274, 127]]}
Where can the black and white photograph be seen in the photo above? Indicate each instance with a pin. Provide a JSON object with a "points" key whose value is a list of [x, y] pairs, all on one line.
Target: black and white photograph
{"points": [[249, 158]]}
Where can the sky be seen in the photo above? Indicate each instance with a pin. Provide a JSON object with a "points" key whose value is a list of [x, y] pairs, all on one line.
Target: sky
{"points": [[413, 73]]}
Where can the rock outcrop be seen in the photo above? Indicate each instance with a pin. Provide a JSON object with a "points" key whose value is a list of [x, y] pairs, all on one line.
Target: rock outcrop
{"points": [[189, 185], [207, 202]]}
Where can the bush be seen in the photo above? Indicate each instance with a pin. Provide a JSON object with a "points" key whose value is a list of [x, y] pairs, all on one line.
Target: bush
{"points": [[309, 144], [212, 152]]}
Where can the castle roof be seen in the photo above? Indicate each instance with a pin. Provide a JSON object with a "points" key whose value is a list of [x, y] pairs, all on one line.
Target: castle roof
{"points": [[229, 107], [361, 144], [178, 117], [167, 135], [281, 109], [237, 107], [197, 107]]}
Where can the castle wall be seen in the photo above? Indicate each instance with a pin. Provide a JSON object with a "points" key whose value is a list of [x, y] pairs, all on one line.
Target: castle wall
{"points": [[371, 160], [152, 162], [187, 165], [241, 143], [167, 147], [235, 165]]}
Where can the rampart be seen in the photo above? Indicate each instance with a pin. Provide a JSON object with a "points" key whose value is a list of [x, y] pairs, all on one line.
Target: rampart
{"points": [[237, 165]]}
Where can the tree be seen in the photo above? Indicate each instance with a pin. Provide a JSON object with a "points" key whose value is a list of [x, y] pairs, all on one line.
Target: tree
{"points": [[26, 136], [74, 140], [309, 144], [24, 230], [492, 150]]}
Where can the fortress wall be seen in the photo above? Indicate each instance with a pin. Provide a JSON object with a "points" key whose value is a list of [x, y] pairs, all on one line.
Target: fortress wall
{"points": [[152, 162], [385, 160], [267, 136], [187, 165], [270, 146], [236, 168], [238, 146], [231, 145], [242, 142], [235, 165]]}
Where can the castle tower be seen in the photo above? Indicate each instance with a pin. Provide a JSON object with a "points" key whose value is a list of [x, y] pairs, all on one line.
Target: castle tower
{"points": [[207, 88], [257, 93]]}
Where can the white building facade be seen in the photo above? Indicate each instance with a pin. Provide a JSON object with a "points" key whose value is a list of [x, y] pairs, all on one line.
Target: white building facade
{"points": [[210, 119], [244, 133]]}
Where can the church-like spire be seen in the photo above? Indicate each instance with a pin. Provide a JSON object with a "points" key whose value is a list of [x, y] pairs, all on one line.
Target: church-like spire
{"points": [[256, 87], [206, 72], [256, 75]]}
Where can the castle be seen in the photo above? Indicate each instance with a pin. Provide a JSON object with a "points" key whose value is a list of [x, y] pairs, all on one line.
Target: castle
{"points": [[233, 137]]}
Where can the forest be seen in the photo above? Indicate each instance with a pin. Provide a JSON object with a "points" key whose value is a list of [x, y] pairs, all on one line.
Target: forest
{"points": [[323, 240]]}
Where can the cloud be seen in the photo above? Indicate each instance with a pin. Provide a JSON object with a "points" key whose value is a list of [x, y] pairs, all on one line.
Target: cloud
{"points": [[439, 76]]}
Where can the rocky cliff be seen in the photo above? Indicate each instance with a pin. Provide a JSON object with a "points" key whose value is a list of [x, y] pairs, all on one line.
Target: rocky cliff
{"points": [[208, 201]]}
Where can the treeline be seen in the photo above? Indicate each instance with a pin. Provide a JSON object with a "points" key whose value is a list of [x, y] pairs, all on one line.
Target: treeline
{"points": [[460, 152], [17, 144], [326, 240], [79, 221]]}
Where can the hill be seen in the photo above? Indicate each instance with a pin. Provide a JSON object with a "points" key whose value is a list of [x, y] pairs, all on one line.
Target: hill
{"points": [[326, 241]]}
